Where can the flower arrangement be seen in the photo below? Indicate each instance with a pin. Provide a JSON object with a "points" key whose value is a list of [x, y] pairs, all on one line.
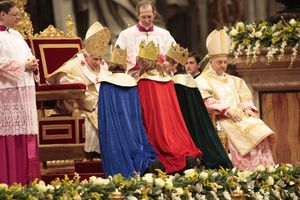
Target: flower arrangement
{"points": [[275, 37], [279, 182]]}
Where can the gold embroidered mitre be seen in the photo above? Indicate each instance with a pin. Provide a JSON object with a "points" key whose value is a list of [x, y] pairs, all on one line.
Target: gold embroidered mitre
{"points": [[149, 51], [96, 39], [218, 43], [118, 55], [175, 53]]}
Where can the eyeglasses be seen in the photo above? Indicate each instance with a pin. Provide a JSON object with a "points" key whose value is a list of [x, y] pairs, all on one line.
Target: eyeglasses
{"points": [[14, 14]]}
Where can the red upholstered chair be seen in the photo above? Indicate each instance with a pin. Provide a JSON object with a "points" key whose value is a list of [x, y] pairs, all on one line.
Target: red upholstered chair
{"points": [[61, 137]]}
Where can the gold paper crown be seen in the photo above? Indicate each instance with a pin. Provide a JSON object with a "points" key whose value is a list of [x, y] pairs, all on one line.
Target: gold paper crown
{"points": [[96, 39], [118, 55], [149, 51], [180, 55], [218, 43]]}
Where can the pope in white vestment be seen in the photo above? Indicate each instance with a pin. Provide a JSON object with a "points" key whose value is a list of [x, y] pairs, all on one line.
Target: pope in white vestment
{"points": [[86, 67]]}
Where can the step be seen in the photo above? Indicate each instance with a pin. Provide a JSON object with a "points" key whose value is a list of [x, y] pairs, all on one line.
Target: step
{"points": [[88, 166]]}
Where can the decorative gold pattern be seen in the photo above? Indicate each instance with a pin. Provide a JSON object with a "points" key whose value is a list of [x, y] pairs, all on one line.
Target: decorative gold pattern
{"points": [[96, 39], [155, 76], [218, 43], [117, 195], [185, 79], [25, 24], [149, 51], [70, 28], [51, 32], [120, 79], [48, 127], [118, 55], [175, 53]]}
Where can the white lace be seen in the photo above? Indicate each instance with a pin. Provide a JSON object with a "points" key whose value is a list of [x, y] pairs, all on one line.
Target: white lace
{"points": [[18, 114]]}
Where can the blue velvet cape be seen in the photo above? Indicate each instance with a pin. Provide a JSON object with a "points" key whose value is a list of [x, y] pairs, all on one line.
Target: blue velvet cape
{"points": [[123, 142]]}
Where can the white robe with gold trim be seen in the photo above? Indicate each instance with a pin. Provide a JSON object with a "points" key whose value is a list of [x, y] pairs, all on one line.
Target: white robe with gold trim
{"points": [[232, 92], [76, 70]]}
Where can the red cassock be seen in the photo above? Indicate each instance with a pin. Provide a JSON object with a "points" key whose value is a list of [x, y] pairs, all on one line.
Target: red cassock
{"points": [[164, 124]]}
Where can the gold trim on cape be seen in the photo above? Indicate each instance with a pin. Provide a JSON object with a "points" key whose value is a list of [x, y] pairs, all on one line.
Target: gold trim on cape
{"points": [[155, 77], [120, 79], [185, 80]]}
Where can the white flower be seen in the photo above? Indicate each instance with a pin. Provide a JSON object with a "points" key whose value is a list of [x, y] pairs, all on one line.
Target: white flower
{"points": [[250, 27], [260, 168], [227, 195], [292, 183], [258, 34], [240, 25], [214, 195], [41, 186], [271, 169], [277, 33], [174, 196], [289, 165], [138, 191], [251, 184], [292, 22], [233, 32], [276, 193], [225, 28], [159, 182], [190, 172], [3, 186], [214, 174], [84, 182], [200, 197], [179, 191], [204, 175], [148, 178], [98, 180], [131, 198], [161, 197], [50, 187], [270, 180], [77, 197], [243, 176], [281, 183], [294, 196], [258, 196], [169, 181]]}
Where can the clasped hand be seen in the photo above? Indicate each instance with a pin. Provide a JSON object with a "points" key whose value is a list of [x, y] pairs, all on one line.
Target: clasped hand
{"points": [[238, 116], [31, 64], [234, 115]]}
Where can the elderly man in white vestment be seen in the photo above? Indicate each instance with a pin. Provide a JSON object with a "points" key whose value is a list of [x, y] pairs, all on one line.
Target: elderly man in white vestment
{"points": [[87, 67], [230, 97], [131, 37]]}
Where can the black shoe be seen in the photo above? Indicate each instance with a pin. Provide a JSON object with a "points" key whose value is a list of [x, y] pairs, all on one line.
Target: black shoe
{"points": [[91, 155], [155, 165], [193, 162]]}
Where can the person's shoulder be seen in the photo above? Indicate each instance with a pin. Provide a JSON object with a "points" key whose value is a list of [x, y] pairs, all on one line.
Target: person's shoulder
{"points": [[129, 29], [15, 32], [157, 28], [233, 76]]}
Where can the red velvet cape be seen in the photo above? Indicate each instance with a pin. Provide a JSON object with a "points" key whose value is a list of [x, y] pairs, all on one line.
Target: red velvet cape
{"points": [[164, 124]]}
